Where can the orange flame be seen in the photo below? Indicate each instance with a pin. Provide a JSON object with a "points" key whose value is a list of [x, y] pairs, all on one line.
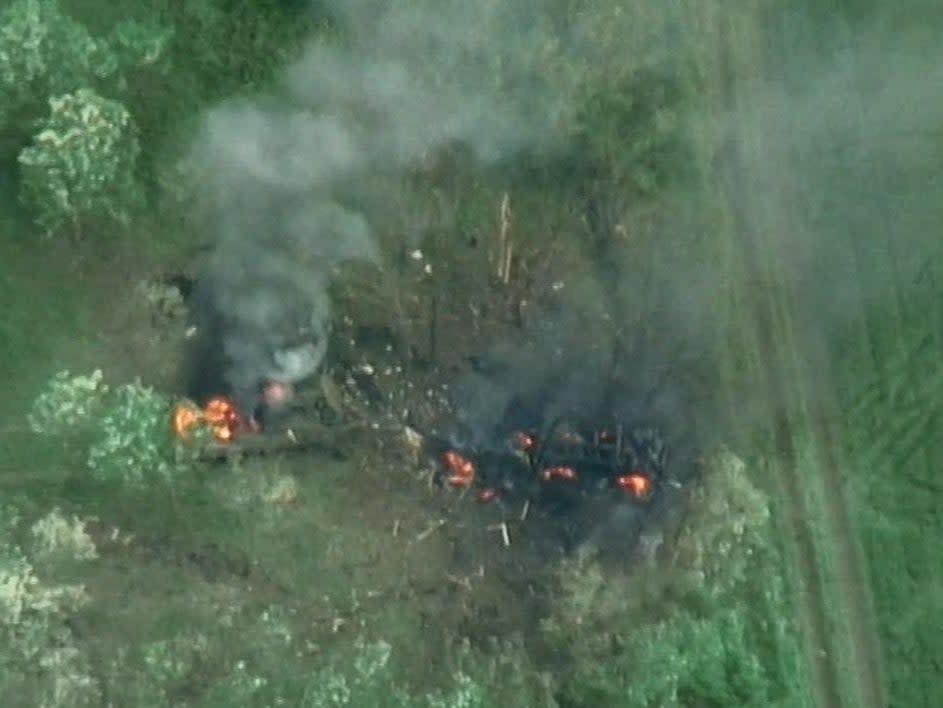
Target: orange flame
{"points": [[186, 417], [461, 468], [223, 418], [638, 484], [219, 414], [459, 482], [567, 474], [487, 495], [525, 441]]}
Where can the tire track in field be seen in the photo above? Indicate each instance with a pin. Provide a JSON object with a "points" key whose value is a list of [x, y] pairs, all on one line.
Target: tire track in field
{"points": [[813, 622], [836, 612]]}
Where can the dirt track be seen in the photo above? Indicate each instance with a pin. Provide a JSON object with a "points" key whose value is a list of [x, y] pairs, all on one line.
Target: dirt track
{"points": [[836, 616]]}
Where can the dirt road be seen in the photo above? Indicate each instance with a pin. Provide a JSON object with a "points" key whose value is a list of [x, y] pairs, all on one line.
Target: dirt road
{"points": [[836, 617]]}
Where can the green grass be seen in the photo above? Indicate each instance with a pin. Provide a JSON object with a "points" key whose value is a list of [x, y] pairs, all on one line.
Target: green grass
{"points": [[44, 323], [895, 452]]}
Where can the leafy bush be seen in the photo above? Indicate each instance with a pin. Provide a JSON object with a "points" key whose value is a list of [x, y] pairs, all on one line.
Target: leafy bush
{"points": [[609, 86], [682, 661], [81, 165], [152, 673], [45, 53], [727, 529], [705, 626], [126, 427], [55, 535], [67, 402], [133, 444], [361, 677], [140, 43], [39, 663], [369, 681]]}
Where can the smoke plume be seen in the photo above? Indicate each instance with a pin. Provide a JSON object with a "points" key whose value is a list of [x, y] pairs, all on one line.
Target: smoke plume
{"points": [[284, 175]]}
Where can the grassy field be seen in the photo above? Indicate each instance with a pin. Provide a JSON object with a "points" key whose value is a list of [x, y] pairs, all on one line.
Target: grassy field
{"points": [[864, 223]]}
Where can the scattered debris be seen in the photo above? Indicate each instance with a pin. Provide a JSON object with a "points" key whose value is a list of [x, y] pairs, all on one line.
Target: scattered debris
{"points": [[505, 245], [505, 535], [432, 528], [524, 511]]}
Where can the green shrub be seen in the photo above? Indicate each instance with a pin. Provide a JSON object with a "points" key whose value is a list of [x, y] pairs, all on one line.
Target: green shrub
{"points": [[132, 443], [39, 662], [683, 661], [140, 43], [369, 681], [45, 53], [152, 673], [360, 675], [81, 166], [126, 428], [727, 532], [67, 403], [704, 625]]}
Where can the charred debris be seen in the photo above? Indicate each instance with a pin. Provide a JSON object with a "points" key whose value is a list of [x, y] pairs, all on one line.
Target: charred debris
{"points": [[563, 414]]}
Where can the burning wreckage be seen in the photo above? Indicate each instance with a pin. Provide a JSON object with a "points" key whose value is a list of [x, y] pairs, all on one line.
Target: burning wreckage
{"points": [[571, 459], [249, 389], [553, 466], [553, 469]]}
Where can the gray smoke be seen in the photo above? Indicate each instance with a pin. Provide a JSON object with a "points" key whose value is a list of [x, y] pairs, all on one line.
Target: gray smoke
{"points": [[281, 173], [833, 180]]}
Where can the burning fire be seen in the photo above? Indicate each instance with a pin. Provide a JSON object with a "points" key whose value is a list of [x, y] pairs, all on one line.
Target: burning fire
{"points": [[223, 418], [561, 472], [277, 393], [219, 414], [186, 417], [487, 495], [461, 470], [525, 441], [638, 484]]}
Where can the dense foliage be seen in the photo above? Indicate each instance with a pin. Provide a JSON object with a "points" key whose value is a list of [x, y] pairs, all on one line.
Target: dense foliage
{"points": [[44, 52], [696, 628], [81, 166], [40, 658], [126, 428]]}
